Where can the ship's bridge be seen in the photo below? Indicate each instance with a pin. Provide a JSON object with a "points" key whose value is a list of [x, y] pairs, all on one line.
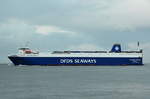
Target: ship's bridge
{"points": [[27, 50]]}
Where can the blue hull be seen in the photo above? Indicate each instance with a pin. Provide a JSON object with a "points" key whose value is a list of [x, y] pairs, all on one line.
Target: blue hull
{"points": [[76, 60]]}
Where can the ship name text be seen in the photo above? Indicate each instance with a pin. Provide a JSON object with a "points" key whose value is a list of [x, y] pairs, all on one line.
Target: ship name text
{"points": [[78, 61]]}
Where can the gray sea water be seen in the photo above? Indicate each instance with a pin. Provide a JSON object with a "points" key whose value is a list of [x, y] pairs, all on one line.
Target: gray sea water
{"points": [[60, 82]]}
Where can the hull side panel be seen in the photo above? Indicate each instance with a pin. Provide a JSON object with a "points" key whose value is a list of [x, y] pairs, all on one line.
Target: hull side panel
{"points": [[76, 60]]}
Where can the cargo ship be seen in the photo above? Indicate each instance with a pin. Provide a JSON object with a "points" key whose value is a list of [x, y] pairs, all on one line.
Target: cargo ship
{"points": [[114, 57]]}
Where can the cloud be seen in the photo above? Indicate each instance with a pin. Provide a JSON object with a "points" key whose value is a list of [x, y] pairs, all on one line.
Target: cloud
{"points": [[79, 15], [15, 30], [129, 14], [21, 30], [85, 47], [47, 30]]}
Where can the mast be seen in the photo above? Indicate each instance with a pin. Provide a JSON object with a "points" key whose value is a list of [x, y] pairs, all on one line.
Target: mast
{"points": [[138, 46]]}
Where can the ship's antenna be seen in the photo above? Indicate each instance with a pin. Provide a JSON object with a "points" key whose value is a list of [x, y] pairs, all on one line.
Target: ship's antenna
{"points": [[27, 44], [138, 45]]}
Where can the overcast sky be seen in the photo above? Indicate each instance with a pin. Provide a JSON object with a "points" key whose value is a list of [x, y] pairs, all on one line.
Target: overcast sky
{"points": [[74, 25]]}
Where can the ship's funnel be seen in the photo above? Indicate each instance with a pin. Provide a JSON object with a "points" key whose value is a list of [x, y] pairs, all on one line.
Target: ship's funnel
{"points": [[116, 48]]}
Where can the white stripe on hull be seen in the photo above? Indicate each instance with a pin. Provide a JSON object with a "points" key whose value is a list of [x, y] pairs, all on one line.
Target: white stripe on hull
{"points": [[84, 55]]}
